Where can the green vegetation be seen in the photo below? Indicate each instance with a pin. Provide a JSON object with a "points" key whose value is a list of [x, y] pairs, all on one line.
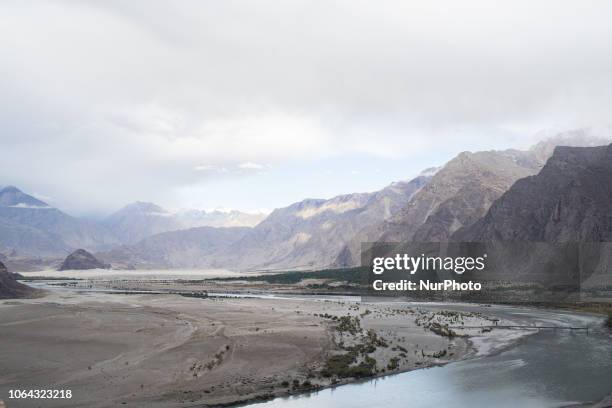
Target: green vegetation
{"points": [[343, 366], [356, 362], [349, 324], [393, 364]]}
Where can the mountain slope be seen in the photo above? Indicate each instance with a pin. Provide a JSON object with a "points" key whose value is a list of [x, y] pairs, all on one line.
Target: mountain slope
{"points": [[312, 233], [32, 227], [140, 220], [464, 189], [218, 218], [191, 248], [570, 200]]}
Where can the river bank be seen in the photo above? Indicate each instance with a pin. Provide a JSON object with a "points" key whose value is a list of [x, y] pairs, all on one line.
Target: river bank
{"points": [[169, 350]]}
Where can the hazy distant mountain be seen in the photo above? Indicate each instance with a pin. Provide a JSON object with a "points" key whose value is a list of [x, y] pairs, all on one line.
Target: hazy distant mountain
{"points": [[308, 234], [464, 189], [29, 226], [189, 248], [312, 233], [570, 200], [218, 218], [139, 220], [12, 197]]}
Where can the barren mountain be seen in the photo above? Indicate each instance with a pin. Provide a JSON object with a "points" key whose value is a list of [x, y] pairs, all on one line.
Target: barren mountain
{"points": [[312, 233], [570, 200], [219, 218], [29, 226], [567, 205], [464, 189], [140, 220], [190, 248]]}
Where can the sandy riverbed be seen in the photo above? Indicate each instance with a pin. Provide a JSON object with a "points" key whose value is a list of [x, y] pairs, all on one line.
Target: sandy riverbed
{"points": [[173, 351]]}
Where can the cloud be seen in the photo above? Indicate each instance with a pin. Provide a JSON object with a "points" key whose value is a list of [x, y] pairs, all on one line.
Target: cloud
{"points": [[251, 166], [107, 102], [211, 168]]}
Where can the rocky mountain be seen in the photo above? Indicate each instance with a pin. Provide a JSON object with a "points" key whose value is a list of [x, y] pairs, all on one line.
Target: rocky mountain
{"points": [[82, 260], [312, 233], [570, 200], [10, 288], [191, 248], [140, 220], [555, 227], [29, 226], [307, 234], [464, 189]]}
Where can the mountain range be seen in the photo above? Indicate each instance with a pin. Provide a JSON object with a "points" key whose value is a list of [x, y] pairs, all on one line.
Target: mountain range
{"points": [[568, 206], [467, 198], [570, 200], [32, 228], [139, 220]]}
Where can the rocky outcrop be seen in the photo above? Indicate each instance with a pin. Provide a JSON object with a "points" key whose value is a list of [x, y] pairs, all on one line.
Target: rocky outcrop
{"points": [[10, 288], [82, 260]]}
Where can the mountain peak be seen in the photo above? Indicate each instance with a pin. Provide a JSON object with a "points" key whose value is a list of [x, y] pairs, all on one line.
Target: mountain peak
{"points": [[11, 196], [573, 138], [144, 206]]}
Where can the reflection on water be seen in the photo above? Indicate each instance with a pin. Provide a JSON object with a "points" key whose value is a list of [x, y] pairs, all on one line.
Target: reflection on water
{"points": [[549, 369]]}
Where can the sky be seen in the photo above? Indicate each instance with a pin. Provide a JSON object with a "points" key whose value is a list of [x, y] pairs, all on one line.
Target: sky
{"points": [[258, 104]]}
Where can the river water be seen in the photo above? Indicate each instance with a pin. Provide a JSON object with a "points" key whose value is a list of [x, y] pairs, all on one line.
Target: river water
{"points": [[553, 368]]}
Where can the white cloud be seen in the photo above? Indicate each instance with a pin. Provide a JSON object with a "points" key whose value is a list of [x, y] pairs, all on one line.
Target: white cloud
{"points": [[105, 102], [251, 166], [211, 168]]}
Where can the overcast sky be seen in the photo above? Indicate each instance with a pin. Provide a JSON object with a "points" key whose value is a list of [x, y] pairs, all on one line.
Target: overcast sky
{"points": [[257, 104]]}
